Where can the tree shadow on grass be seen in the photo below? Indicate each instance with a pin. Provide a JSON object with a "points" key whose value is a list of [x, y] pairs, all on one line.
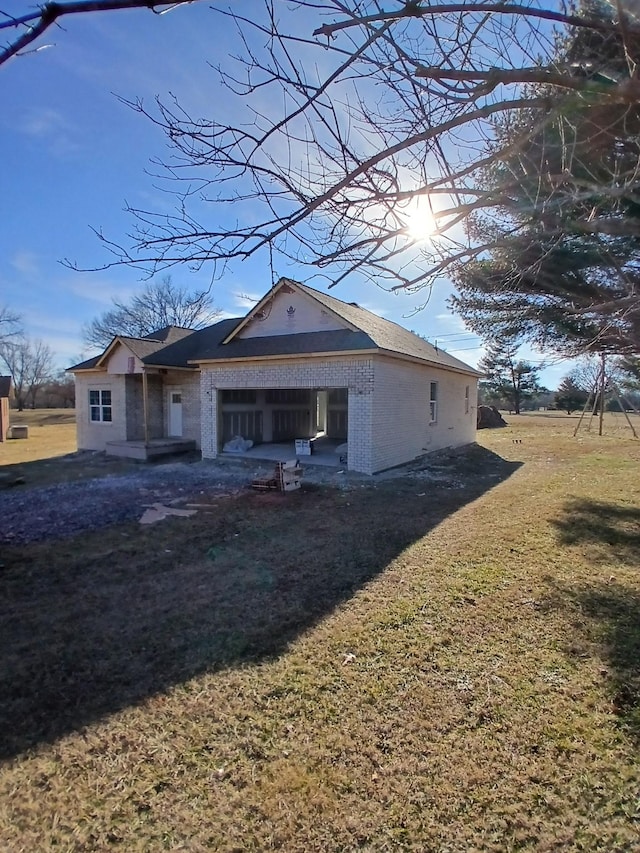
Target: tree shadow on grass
{"points": [[100, 622], [608, 617], [607, 613], [613, 527]]}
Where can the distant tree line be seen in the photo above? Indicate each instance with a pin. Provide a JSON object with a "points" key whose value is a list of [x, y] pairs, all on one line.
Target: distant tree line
{"points": [[512, 383], [28, 361]]}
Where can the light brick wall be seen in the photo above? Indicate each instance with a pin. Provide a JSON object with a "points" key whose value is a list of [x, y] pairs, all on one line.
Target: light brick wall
{"points": [[401, 428], [356, 374], [127, 407], [94, 436]]}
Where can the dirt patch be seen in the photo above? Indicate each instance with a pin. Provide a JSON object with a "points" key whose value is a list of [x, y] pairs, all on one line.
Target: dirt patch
{"points": [[65, 509]]}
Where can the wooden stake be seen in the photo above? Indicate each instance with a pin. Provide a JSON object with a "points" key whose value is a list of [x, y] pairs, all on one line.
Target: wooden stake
{"points": [[624, 411], [602, 386]]}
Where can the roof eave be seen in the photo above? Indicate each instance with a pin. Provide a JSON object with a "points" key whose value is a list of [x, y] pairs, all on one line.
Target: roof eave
{"points": [[117, 340], [417, 360], [168, 366]]}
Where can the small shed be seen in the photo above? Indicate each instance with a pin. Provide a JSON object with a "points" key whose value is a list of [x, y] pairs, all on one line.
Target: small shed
{"points": [[6, 391]]}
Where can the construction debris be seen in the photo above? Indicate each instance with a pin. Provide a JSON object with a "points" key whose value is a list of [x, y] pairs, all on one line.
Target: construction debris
{"points": [[342, 451], [286, 478], [158, 512], [237, 444], [488, 417]]}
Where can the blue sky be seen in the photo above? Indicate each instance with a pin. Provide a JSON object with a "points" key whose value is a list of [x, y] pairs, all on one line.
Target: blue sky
{"points": [[72, 155]]}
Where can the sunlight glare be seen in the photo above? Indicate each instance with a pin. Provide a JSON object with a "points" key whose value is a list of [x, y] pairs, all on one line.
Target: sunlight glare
{"points": [[420, 222]]}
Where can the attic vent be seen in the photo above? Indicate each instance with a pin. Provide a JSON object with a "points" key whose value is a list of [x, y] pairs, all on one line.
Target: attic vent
{"points": [[131, 364], [355, 304]]}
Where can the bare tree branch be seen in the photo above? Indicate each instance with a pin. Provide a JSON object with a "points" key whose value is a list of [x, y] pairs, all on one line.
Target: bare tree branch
{"points": [[27, 28], [158, 305], [339, 145], [10, 324], [416, 10]]}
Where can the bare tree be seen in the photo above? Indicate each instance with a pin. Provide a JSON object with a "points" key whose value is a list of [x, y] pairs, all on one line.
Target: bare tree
{"points": [[58, 392], [30, 365], [9, 324], [159, 304], [362, 129], [25, 29], [587, 373]]}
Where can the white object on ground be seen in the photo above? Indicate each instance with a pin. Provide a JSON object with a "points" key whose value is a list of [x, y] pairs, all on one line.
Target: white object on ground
{"points": [[158, 512], [238, 444]]}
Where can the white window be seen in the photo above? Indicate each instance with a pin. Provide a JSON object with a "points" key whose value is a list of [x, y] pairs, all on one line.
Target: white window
{"points": [[100, 405], [466, 399], [433, 402]]}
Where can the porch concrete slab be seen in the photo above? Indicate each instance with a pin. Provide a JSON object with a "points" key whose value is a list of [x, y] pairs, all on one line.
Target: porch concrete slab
{"points": [[149, 450]]}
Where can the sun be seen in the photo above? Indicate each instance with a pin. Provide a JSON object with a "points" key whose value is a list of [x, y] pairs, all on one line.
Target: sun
{"points": [[421, 224]]}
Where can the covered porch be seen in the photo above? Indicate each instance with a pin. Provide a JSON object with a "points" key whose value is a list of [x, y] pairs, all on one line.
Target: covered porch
{"points": [[162, 414]]}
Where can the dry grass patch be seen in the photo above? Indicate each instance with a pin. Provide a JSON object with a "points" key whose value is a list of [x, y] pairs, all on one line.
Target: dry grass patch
{"points": [[366, 670], [52, 432], [50, 454]]}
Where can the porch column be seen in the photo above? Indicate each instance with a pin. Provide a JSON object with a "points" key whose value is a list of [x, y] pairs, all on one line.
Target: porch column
{"points": [[145, 406]]}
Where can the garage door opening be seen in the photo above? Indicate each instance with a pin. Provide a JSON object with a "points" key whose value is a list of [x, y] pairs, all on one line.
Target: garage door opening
{"points": [[285, 423]]}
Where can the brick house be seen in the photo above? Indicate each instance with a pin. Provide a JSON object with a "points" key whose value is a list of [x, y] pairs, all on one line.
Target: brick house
{"points": [[300, 364]]}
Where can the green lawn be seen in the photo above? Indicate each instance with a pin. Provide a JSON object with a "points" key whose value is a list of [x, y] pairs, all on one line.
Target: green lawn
{"points": [[412, 665]]}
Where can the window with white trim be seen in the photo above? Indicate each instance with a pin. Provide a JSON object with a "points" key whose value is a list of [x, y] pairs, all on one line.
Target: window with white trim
{"points": [[466, 399], [100, 405], [433, 402]]}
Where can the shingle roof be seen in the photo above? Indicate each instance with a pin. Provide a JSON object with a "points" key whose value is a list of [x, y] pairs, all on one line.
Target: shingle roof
{"points": [[89, 364], [174, 347], [140, 347], [168, 334], [5, 386], [370, 332], [303, 343], [386, 335], [190, 348]]}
